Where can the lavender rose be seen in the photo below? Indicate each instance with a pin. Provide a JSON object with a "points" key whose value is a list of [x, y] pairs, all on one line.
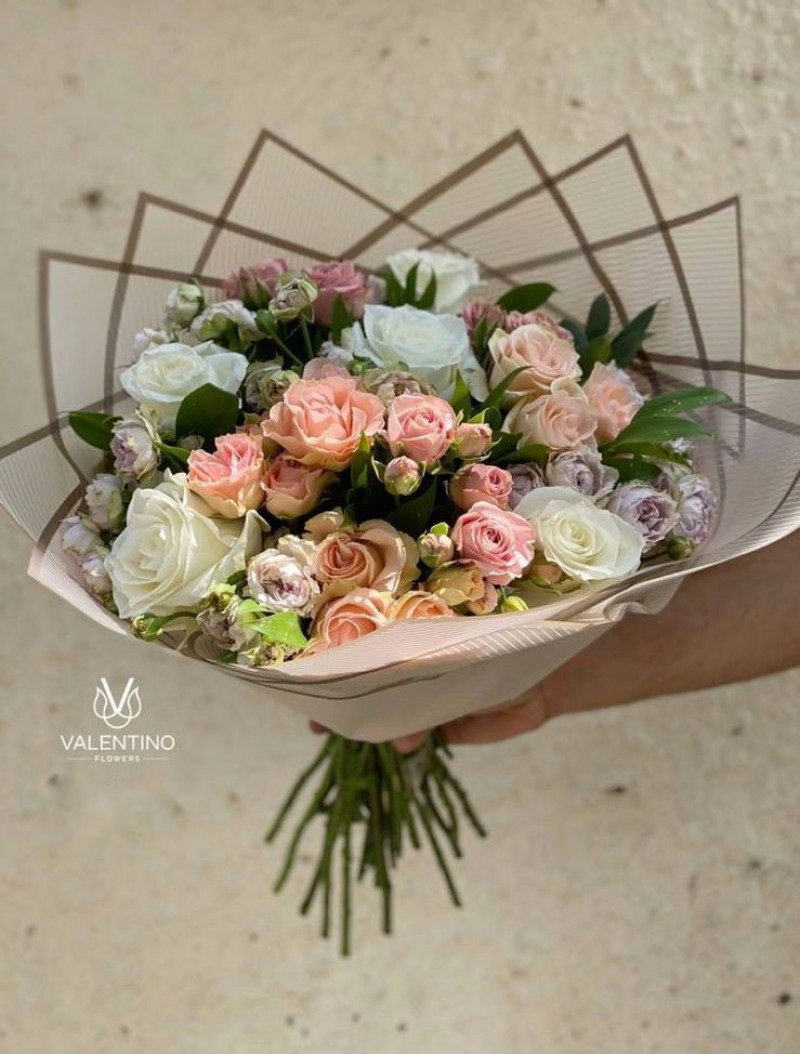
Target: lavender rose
{"points": [[652, 512], [696, 504], [104, 501], [525, 477], [134, 449], [583, 470]]}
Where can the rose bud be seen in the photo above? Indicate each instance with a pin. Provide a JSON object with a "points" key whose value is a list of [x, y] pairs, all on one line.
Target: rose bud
{"points": [[295, 293], [544, 573], [472, 440], [486, 604], [402, 476], [457, 583], [183, 303], [435, 548], [512, 605], [680, 548], [255, 286]]}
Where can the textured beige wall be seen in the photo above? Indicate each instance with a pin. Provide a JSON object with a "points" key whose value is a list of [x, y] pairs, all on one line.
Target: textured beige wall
{"points": [[136, 911]]}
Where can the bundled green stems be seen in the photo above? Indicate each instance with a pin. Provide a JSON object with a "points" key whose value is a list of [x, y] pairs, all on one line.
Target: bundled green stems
{"points": [[373, 800]]}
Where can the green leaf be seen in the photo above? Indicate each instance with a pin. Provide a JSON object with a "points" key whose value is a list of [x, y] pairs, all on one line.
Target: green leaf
{"points": [[651, 450], [281, 628], [631, 337], [682, 401], [656, 429], [504, 443], [578, 334], [179, 453], [631, 468], [495, 396], [597, 350], [461, 401], [208, 412], [94, 429], [526, 297], [410, 291], [360, 465], [394, 290], [528, 452], [428, 298], [414, 515], [599, 317], [341, 319], [489, 415]]}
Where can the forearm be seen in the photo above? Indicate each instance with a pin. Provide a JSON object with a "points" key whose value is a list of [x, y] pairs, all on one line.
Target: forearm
{"points": [[731, 623]]}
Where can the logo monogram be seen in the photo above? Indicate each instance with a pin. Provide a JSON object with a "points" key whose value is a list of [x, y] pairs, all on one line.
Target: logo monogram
{"points": [[117, 714]]}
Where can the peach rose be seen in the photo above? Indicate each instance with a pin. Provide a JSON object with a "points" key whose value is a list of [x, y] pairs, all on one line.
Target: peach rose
{"points": [[372, 556], [347, 618], [499, 543], [515, 319], [562, 420], [229, 480], [548, 358], [321, 422], [474, 483], [418, 604], [292, 489], [613, 398], [422, 427], [456, 583], [321, 369]]}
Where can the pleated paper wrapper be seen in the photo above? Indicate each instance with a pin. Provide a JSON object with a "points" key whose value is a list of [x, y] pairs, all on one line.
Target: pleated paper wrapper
{"points": [[594, 227]]}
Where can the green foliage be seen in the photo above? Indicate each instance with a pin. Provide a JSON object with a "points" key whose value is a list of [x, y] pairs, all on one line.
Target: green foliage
{"points": [[495, 396], [597, 350], [633, 467], [208, 412], [631, 337], [682, 401], [341, 319], [398, 293], [599, 318], [528, 452], [93, 428], [461, 400], [414, 514], [281, 628], [526, 297]]}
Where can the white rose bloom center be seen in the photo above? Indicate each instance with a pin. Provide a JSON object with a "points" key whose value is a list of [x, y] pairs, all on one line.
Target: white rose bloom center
{"points": [[172, 551], [432, 347], [588, 543], [165, 373]]}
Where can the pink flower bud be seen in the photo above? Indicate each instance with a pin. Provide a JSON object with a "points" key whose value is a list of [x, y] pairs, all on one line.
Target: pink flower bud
{"points": [[402, 476], [472, 440]]}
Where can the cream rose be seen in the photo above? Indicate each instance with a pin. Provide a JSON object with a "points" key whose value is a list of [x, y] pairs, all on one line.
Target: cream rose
{"points": [[419, 604], [456, 276], [433, 347], [547, 358], [165, 373], [588, 543], [172, 550]]}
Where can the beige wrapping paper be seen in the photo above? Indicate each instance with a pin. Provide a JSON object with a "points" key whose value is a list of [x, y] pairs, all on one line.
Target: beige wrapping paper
{"points": [[594, 227]]}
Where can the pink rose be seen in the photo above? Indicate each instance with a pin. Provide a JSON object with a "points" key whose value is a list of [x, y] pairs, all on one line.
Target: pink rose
{"points": [[515, 319], [474, 483], [347, 618], [372, 556], [322, 369], [338, 278], [321, 422], [293, 489], [422, 427], [548, 358], [230, 479], [613, 397], [418, 604], [255, 286], [562, 420], [500, 543], [473, 440]]}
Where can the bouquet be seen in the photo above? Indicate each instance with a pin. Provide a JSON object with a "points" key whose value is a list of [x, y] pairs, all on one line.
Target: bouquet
{"points": [[340, 475]]}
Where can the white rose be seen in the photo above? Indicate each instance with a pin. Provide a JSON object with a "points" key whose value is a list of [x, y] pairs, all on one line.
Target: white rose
{"points": [[456, 276], [586, 542], [432, 347], [166, 373], [172, 551], [148, 338], [81, 536]]}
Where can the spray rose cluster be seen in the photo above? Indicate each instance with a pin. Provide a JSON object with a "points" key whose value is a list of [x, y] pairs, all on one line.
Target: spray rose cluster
{"points": [[324, 452]]}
